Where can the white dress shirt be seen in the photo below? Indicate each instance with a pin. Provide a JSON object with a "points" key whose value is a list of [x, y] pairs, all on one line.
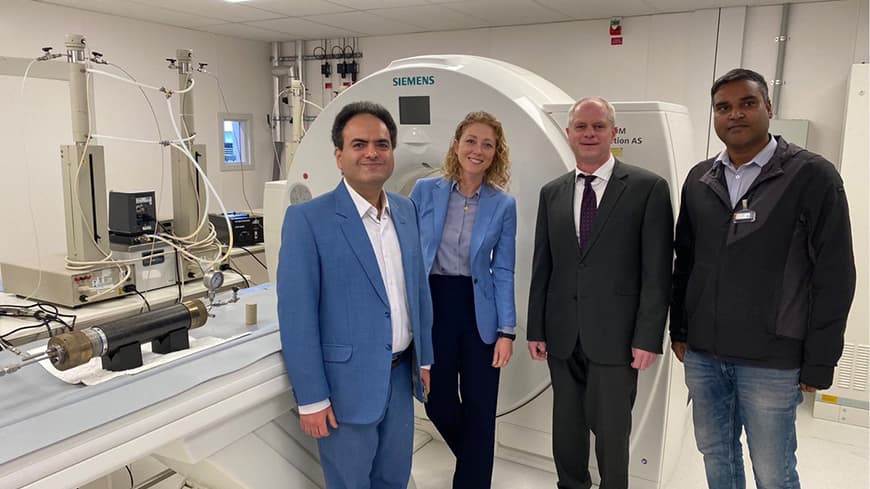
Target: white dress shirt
{"points": [[602, 175], [385, 243]]}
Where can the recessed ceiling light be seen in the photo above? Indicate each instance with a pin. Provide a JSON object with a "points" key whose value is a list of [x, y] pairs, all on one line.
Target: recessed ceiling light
{"points": [[235, 1]]}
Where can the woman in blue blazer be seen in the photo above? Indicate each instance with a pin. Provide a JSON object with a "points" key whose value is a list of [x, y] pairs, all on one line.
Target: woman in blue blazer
{"points": [[468, 229]]}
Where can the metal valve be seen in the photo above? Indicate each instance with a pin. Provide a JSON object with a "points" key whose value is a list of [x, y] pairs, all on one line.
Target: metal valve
{"points": [[48, 54], [97, 57]]}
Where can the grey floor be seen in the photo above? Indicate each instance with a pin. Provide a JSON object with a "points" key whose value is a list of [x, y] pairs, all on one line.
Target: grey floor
{"points": [[830, 456]]}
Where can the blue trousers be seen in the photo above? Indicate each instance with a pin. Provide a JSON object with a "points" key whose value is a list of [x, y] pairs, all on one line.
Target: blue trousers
{"points": [[728, 398], [464, 385], [377, 455]]}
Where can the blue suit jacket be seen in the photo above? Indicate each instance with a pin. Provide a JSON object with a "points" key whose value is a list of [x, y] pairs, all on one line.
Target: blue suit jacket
{"points": [[333, 310], [493, 248]]}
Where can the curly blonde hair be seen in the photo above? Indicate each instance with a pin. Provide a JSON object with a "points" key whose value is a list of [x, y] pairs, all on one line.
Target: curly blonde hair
{"points": [[498, 174]]}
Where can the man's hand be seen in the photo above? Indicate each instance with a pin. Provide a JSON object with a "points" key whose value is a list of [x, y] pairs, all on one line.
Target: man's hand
{"points": [[424, 378], [314, 424], [679, 349], [538, 350], [504, 348], [642, 358], [807, 388]]}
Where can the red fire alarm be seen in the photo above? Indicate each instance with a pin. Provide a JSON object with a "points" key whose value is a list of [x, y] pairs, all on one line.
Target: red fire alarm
{"points": [[616, 41], [616, 26]]}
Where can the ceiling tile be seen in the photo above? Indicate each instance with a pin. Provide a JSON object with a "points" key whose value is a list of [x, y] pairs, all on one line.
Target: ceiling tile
{"points": [[298, 8], [431, 17], [375, 4], [777, 2], [304, 29], [365, 23], [139, 11], [508, 12], [598, 9], [245, 31], [682, 6], [228, 12]]}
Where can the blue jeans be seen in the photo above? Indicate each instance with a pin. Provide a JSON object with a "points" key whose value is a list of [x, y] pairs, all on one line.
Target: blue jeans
{"points": [[728, 398]]}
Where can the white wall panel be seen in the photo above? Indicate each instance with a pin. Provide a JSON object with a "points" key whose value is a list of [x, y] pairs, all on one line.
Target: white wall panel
{"points": [[818, 60], [33, 127]]}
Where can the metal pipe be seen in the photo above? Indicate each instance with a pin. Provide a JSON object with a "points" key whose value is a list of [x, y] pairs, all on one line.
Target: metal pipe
{"points": [[78, 347], [296, 96], [78, 91], [185, 61], [277, 128], [780, 61], [300, 60], [277, 134], [283, 109], [27, 360]]}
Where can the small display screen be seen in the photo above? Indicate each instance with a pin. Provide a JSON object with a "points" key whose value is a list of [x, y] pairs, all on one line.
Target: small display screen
{"points": [[414, 110]]}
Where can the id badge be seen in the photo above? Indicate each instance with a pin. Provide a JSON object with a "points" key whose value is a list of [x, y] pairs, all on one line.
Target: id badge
{"points": [[743, 215]]}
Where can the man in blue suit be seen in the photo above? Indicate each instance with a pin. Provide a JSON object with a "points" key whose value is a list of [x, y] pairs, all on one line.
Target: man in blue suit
{"points": [[355, 311]]}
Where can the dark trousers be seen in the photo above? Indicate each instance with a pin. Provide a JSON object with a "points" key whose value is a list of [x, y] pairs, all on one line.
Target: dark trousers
{"points": [[464, 385], [591, 397]]}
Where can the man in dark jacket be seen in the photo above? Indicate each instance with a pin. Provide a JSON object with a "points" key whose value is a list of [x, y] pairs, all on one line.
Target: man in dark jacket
{"points": [[763, 280], [598, 298]]}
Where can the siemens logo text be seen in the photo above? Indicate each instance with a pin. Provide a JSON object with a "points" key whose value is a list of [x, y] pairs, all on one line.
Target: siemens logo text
{"points": [[401, 81]]}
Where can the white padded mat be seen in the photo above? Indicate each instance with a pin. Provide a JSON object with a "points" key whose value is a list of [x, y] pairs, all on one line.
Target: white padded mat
{"points": [[92, 373]]}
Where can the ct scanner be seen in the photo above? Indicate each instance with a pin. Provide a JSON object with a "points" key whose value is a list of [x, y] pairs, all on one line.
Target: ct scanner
{"points": [[428, 96], [223, 417]]}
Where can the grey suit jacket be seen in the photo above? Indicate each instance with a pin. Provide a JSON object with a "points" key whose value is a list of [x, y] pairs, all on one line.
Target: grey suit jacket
{"points": [[614, 294]]}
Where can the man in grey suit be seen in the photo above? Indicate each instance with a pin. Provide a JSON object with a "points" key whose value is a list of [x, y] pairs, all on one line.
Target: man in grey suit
{"points": [[601, 279]]}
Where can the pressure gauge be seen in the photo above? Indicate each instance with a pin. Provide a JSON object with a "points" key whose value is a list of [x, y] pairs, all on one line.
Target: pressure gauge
{"points": [[213, 280]]}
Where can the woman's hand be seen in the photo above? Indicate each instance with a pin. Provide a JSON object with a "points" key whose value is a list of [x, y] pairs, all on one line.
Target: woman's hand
{"points": [[504, 347]]}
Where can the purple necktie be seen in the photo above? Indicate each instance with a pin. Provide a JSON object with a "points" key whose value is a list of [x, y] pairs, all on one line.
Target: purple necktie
{"points": [[588, 207]]}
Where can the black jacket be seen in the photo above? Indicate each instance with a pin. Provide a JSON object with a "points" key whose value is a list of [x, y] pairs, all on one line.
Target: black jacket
{"points": [[771, 293], [613, 294]]}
